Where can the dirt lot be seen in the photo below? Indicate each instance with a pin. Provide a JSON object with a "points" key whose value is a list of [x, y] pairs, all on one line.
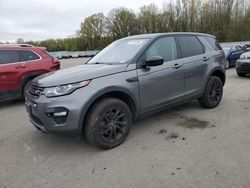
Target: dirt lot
{"points": [[184, 147]]}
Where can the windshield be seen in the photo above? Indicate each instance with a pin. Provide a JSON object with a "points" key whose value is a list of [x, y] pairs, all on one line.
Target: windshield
{"points": [[120, 51], [226, 47]]}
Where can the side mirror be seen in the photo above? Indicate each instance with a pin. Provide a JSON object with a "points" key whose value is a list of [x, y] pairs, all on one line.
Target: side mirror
{"points": [[153, 61]]}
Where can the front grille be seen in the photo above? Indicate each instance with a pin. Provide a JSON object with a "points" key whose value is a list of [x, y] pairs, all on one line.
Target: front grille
{"points": [[35, 91], [248, 57]]}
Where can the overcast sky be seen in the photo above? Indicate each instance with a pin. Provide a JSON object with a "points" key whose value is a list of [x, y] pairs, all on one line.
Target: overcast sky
{"points": [[43, 19]]}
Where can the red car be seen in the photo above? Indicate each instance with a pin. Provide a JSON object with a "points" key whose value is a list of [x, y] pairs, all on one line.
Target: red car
{"points": [[19, 64]]}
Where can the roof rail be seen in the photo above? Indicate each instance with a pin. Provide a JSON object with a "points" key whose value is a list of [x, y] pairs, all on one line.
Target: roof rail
{"points": [[26, 45], [19, 45]]}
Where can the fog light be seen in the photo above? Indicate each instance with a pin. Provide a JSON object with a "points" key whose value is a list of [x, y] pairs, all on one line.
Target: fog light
{"points": [[60, 114], [57, 112]]}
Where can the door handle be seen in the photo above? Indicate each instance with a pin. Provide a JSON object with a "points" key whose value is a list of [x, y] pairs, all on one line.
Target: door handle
{"points": [[176, 66], [205, 58], [21, 66]]}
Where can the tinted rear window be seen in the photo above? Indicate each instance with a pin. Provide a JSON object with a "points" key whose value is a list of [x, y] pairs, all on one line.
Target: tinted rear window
{"points": [[8, 56], [213, 42], [190, 46], [26, 55]]}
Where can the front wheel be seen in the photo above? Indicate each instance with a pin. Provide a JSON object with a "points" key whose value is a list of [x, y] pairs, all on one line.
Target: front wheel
{"points": [[213, 93], [108, 123]]}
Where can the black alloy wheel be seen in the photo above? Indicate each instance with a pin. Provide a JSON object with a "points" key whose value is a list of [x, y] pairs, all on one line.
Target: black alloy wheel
{"points": [[113, 125], [108, 123], [216, 91], [213, 93]]}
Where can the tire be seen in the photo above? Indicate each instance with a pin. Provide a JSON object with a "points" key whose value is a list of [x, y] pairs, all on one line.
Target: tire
{"points": [[25, 87], [213, 93], [240, 74], [227, 64], [108, 123]]}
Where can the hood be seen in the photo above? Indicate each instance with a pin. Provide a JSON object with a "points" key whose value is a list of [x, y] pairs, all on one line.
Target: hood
{"points": [[247, 54], [77, 74]]}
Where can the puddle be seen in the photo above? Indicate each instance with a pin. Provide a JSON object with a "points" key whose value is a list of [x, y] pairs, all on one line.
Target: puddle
{"points": [[162, 131], [191, 123], [172, 136]]}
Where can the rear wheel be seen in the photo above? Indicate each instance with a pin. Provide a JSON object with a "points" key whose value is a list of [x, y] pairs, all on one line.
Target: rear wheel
{"points": [[108, 123], [213, 93]]}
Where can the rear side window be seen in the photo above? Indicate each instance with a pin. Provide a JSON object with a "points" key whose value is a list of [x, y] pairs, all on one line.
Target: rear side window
{"points": [[26, 55], [190, 46], [164, 47], [8, 56], [213, 42]]}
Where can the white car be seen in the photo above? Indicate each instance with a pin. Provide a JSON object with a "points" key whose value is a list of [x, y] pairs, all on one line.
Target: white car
{"points": [[75, 54]]}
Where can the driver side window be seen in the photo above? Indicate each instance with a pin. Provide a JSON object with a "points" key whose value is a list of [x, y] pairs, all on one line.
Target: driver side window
{"points": [[164, 47]]}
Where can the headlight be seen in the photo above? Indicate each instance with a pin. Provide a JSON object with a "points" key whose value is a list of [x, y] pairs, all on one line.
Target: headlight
{"points": [[242, 57], [64, 89]]}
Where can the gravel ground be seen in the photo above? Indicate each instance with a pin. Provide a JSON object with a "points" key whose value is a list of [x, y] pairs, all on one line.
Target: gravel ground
{"points": [[187, 146]]}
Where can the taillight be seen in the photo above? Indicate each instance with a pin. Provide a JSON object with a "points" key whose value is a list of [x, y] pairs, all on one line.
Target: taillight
{"points": [[56, 61]]}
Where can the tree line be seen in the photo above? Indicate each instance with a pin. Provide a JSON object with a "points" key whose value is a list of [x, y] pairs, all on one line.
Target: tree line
{"points": [[228, 20]]}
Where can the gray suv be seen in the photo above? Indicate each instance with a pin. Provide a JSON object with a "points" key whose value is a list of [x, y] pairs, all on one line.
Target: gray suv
{"points": [[132, 78]]}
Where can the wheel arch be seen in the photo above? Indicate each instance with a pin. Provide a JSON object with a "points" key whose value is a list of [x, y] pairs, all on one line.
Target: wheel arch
{"points": [[111, 92], [219, 73], [27, 78]]}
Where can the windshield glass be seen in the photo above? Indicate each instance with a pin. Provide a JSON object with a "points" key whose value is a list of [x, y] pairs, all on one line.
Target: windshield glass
{"points": [[226, 47], [120, 51]]}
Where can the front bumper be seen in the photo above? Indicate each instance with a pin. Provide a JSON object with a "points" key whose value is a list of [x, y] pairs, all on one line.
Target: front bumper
{"points": [[41, 111], [243, 66]]}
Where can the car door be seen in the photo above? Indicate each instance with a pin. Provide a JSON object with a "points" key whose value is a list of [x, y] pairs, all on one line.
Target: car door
{"points": [[164, 84], [195, 64], [11, 70]]}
